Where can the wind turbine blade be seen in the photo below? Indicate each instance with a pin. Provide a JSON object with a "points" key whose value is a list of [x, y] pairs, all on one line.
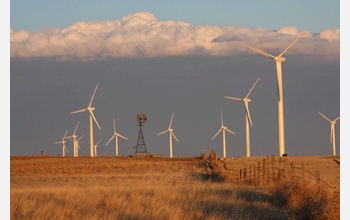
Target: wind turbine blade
{"points": [[216, 134], [58, 142], [65, 148], [325, 117], [65, 135], [163, 132], [238, 99], [93, 116], [98, 142], [80, 138], [174, 136], [93, 96], [261, 52], [171, 120], [230, 131], [110, 139], [336, 119], [122, 136], [114, 126], [82, 110], [76, 128], [252, 88], [222, 121], [292, 44], [247, 110]]}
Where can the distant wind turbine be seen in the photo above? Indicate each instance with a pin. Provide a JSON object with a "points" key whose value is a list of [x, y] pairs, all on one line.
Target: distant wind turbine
{"points": [[64, 144], [279, 59], [95, 146], [247, 117], [170, 133], [116, 135], [223, 129], [74, 136], [332, 138], [90, 109]]}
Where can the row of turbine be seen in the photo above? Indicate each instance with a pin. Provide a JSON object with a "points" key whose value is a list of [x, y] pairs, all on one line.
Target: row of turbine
{"points": [[279, 59]]}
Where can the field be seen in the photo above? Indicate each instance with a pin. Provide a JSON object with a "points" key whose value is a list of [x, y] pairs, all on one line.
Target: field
{"points": [[44, 187]]}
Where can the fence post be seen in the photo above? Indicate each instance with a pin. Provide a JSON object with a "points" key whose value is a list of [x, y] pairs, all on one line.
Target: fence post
{"points": [[250, 174], [254, 174], [273, 167], [258, 173], [285, 170], [268, 170], [318, 177], [244, 175], [263, 172], [292, 171], [303, 171]]}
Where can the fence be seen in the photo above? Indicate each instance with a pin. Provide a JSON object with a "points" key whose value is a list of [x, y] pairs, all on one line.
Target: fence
{"points": [[268, 171]]}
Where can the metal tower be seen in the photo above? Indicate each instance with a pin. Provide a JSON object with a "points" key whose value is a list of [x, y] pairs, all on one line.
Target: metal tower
{"points": [[141, 146]]}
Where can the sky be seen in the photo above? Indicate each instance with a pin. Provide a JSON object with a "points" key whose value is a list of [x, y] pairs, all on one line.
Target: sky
{"points": [[159, 58]]}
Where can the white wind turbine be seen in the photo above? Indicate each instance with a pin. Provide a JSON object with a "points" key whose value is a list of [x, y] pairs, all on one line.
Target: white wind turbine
{"points": [[95, 146], [247, 117], [332, 138], [64, 144], [279, 59], [90, 109], [74, 136], [223, 129], [116, 135], [170, 133]]}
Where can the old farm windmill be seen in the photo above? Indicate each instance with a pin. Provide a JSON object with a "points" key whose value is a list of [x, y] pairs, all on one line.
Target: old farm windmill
{"points": [[141, 146]]}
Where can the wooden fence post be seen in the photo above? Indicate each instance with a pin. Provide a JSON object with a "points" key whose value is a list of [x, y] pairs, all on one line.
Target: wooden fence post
{"points": [[303, 171], [254, 174], [285, 169], [273, 167], [250, 174], [244, 175], [263, 171], [268, 170], [258, 173]]}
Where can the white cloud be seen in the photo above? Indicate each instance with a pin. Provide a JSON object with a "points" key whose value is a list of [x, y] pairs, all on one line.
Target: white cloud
{"points": [[141, 34]]}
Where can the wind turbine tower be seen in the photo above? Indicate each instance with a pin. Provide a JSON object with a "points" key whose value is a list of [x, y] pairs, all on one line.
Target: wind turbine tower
{"points": [[279, 59], [92, 116], [223, 129], [95, 146], [116, 135], [247, 117], [64, 144], [332, 138], [170, 130]]}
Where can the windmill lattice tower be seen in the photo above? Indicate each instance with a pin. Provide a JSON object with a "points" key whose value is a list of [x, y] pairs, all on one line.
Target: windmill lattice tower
{"points": [[141, 146]]}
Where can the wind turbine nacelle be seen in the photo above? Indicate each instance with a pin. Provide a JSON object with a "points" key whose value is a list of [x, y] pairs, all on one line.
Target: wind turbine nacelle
{"points": [[92, 108], [280, 59], [247, 100]]}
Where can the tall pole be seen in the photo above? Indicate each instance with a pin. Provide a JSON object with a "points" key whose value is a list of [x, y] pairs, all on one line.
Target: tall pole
{"points": [[171, 146], [91, 138], [247, 134], [280, 108], [116, 146], [333, 139], [224, 142]]}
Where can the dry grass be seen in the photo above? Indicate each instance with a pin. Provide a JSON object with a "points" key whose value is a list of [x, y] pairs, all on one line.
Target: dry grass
{"points": [[117, 188]]}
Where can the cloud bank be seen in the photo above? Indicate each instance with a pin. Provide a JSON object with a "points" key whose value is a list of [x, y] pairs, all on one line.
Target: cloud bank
{"points": [[142, 35]]}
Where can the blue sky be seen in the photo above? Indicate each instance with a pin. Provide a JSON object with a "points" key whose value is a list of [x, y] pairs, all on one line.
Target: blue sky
{"points": [[313, 15]]}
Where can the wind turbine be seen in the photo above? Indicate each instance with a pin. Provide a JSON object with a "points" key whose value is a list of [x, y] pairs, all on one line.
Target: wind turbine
{"points": [[90, 109], [332, 138], [223, 129], [116, 135], [247, 117], [64, 144], [279, 59], [74, 136], [170, 133], [95, 146]]}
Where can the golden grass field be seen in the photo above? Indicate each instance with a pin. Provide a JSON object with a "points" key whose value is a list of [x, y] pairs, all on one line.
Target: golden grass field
{"points": [[45, 187]]}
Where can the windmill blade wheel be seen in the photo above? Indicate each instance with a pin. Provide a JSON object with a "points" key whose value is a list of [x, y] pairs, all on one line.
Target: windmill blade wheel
{"points": [[142, 118]]}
